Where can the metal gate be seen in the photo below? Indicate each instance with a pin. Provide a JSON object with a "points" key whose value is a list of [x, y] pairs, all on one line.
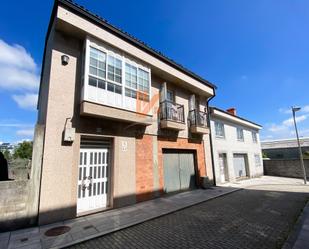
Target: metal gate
{"points": [[240, 168], [179, 171], [93, 179]]}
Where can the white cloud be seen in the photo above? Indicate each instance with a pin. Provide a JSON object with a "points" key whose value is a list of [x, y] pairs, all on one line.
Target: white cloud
{"points": [[26, 101], [290, 121], [16, 56], [305, 108], [19, 73], [12, 78], [25, 132], [285, 110], [14, 125]]}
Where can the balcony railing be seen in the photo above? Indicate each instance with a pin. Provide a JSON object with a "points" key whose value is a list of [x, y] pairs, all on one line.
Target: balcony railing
{"points": [[198, 118], [172, 112]]}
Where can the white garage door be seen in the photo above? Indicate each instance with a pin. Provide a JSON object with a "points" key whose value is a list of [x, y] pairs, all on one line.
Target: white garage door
{"points": [[240, 168]]}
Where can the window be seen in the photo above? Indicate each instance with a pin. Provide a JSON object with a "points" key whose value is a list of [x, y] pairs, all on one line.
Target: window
{"points": [[143, 80], [114, 73], [137, 83], [114, 69], [257, 159], [97, 68], [170, 95], [131, 76], [219, 127], [254, 137], [240, 134]]}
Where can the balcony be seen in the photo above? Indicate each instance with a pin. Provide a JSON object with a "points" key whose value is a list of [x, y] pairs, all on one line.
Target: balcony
{"points": [[172, 116], [198, 122]]}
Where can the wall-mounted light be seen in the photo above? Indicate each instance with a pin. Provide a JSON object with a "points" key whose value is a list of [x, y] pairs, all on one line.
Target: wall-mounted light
{"points": [[65, 59]]}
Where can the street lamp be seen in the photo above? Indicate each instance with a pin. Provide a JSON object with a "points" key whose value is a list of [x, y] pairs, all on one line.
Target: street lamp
{"points": [[296, 109]]}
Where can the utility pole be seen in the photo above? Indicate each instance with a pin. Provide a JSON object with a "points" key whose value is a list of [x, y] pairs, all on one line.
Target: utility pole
{"points": [[295, 109]]}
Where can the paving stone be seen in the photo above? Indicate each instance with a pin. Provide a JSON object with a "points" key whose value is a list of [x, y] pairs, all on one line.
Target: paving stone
{"points": [[252, 218]]}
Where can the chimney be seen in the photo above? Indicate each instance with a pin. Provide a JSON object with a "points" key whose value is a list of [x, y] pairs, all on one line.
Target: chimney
{"points": [[232, 111]]}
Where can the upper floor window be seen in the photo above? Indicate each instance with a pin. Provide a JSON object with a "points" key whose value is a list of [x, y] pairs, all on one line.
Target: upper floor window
{"points": [[114, 69], [170, 95], [257, 159], [137, 82], [240, 134], [114, 79], [254, 137], [219, 128]]}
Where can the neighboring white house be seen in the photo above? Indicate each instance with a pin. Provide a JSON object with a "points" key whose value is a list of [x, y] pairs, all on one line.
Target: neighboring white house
{"points": [[236, 146]]}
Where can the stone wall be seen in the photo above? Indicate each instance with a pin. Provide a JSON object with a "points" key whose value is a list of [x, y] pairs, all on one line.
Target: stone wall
{"points": [[13, 203], [286, 168]]}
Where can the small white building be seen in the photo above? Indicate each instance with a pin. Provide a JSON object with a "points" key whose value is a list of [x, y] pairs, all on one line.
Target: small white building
{"points": [[236, 146]]}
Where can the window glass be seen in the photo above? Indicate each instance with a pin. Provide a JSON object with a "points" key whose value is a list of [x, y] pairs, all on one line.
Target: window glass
{"points": [[97, 66], [114, 69], [143, 80], [240, 134], [219, 128], [131, 76], [114, 88], [130, 93], [170, 95], [254, 137]]}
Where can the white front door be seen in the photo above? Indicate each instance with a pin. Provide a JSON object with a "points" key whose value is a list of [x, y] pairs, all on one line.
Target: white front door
{"points": [[93, 179], [222, 165]]}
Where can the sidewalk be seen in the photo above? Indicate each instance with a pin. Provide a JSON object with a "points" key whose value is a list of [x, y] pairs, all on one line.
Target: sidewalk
{"points": [[299, 238], [92, 226]]}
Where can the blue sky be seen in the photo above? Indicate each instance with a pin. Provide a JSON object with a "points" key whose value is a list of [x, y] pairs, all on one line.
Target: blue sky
{"points": [[256, 52]]}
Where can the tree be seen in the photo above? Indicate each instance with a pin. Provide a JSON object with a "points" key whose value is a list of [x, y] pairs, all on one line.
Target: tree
{"points": [[23, 150], [306, 154], [7, 155]]}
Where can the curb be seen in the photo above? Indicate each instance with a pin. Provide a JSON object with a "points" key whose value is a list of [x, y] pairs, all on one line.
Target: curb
{"points": [[140, 222]]}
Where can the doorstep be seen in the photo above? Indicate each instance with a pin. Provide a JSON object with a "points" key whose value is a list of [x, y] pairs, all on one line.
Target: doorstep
{"points": [[80, 229]]}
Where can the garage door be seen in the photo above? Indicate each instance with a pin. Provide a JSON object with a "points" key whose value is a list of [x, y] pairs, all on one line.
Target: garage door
{"points": [[179, 172], [240, 165]]}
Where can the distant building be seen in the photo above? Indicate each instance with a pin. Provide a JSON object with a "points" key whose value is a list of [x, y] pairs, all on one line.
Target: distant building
{"points": [[236, 146], [7, 146], [284, 148]]}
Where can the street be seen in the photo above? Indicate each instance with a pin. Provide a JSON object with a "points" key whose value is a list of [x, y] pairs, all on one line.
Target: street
{"points": [[256, 217]]}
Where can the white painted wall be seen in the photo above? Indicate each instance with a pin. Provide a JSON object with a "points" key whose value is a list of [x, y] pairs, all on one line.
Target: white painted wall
{"points": [[231, 145]]}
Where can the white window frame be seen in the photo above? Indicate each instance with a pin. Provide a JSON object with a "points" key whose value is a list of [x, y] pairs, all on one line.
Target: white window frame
{"points": [[223, 129], [90, 42], [241, 130]]}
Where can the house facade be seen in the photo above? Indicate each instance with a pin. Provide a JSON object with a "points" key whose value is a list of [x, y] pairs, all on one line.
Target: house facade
{"points": [[122, 123], [236, 146]]}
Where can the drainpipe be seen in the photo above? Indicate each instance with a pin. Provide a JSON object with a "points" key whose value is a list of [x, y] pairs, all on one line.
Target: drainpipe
{"points": [[210, 138]]}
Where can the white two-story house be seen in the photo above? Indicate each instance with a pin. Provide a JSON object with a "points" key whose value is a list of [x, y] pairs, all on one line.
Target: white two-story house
{"points": [[236, 146]]}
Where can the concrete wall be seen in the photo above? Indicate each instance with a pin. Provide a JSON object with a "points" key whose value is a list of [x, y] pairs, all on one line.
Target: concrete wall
{"points": [[286, 168], [231, 145], [13, 203], [284, 153]]}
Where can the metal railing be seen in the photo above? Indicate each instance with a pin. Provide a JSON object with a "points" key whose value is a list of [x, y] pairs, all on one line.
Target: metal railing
{"points": [[172, 111], [198, 118]]}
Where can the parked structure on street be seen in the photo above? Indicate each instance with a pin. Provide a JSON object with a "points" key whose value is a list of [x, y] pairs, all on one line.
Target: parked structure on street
{"points": [[285, 148], [122, 123], [236, 146]]}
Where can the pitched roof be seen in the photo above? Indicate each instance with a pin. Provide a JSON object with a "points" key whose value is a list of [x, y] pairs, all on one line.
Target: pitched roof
{"points": [[85, 13], [225, 112]]}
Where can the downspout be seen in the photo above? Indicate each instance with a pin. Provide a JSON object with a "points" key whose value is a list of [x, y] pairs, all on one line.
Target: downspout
{"points": [[210, 138]]}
